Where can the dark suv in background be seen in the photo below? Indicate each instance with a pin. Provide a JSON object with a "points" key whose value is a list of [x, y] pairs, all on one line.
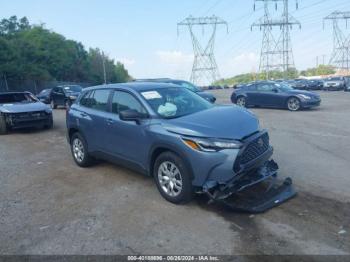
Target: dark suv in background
{"points": [[168, 132], [64, 95]]}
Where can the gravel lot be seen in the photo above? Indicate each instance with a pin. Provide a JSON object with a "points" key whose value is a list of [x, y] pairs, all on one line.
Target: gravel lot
{"points": [[50, 206]]}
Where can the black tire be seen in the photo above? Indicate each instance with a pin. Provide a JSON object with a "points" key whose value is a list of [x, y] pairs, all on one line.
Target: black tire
{"points": [[50, 124], [241, 101], [3, 126], [53, 105], [68, 104], [293, 104], [184, 195], [85, 159]]}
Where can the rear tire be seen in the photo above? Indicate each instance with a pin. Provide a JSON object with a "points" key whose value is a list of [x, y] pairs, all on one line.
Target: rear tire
{"points": [[173, 178], [79, 151], [293, 104], [3, 126]]}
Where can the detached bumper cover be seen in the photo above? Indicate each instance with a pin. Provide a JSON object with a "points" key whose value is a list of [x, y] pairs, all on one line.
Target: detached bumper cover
{"points": [[248, 194]]}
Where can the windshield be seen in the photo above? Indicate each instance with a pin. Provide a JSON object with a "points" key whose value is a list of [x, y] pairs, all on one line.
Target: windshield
{"points": [[189, 86], [72, 89], [45, 92], [335, 79], [17, 98], [284, 87], [175, 102]]}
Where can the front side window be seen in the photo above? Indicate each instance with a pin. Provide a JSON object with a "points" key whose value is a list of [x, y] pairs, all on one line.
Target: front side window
{"points": [[174, 102], [124, 101]]}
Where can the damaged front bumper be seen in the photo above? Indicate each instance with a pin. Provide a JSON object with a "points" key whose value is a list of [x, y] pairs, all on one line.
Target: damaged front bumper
{"points": [[254, 192]]}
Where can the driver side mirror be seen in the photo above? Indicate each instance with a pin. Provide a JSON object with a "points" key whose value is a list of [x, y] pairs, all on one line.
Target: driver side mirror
{"points": [[132, 115], [275, 90]]}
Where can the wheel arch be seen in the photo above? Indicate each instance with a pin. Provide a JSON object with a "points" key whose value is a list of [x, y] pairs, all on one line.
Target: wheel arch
{"points": [[156, 151]]}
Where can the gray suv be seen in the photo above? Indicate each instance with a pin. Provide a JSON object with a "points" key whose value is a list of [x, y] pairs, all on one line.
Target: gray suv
{"points": [[186, 143]]}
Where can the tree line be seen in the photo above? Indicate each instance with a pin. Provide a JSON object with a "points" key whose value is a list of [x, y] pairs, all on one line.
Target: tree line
{"points": [[33, 52], [291, 74]]}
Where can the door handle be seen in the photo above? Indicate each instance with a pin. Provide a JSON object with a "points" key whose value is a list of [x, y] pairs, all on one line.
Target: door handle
{"points": [[110, 121]]}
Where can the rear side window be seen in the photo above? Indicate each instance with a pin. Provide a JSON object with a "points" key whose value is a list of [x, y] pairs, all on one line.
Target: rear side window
{"points": [[124, 101], [97, 99], [266, 87]]}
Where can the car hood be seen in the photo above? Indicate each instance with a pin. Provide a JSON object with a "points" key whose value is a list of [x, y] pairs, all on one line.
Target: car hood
{"points": [[226, 122], [22, 107]]}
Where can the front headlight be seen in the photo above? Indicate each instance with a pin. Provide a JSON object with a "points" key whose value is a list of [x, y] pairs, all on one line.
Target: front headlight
{"points": [[211, 145], [305, 97]]}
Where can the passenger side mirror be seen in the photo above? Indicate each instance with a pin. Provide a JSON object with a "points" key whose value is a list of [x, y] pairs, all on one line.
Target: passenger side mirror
{"points": [[132, 115]]}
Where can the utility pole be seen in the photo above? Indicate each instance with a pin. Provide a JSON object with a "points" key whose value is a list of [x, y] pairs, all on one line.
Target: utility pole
{"points": [[276, 52], [316, 61], [204, 69], [7, 87], [340, 57], [104, 68]]}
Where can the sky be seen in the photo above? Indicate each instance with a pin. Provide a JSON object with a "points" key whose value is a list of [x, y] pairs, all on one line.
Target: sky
{"points": [[143, 34]]}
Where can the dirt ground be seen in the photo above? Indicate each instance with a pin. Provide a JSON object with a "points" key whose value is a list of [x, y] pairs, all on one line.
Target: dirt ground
{"points": [[50, 206]]}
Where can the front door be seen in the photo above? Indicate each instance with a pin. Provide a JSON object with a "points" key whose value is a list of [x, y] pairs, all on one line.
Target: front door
{"points": [[127, 139]]}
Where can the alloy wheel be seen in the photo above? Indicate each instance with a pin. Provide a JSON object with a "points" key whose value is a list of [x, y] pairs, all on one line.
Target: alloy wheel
{"points": [[170, 179], [241, 101], [78, 150], [293, 104]]}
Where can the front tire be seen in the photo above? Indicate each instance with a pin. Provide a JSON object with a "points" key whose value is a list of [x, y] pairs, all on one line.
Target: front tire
{"points": [[3, 126], [172, 178], [241, 101], [293, 104], [79, 151]]}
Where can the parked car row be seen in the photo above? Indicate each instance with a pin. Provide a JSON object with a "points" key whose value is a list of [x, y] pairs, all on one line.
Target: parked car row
{"points": [[60, 95], [334, 83]]}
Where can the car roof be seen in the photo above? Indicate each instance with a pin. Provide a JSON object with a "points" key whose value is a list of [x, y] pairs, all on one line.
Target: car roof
{"points": [[137, 86]]}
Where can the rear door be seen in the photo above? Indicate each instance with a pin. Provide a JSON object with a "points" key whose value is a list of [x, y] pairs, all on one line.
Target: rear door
{"points": [[92, 118], [58, 96]]}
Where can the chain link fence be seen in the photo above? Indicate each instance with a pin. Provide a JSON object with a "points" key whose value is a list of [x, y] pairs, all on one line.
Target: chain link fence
{"points": [[33, 86]]}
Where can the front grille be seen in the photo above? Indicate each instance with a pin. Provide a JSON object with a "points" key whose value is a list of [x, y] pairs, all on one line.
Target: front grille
{"points": [[252, 151], [29, 115]]}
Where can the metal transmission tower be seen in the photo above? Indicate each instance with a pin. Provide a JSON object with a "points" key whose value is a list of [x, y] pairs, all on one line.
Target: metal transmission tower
{"points": [[276, 52], [205, 69], [340, 58]]}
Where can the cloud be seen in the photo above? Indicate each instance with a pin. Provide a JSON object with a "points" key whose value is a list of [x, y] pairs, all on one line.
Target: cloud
{"points": [[174, 57], [126, 61]]}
